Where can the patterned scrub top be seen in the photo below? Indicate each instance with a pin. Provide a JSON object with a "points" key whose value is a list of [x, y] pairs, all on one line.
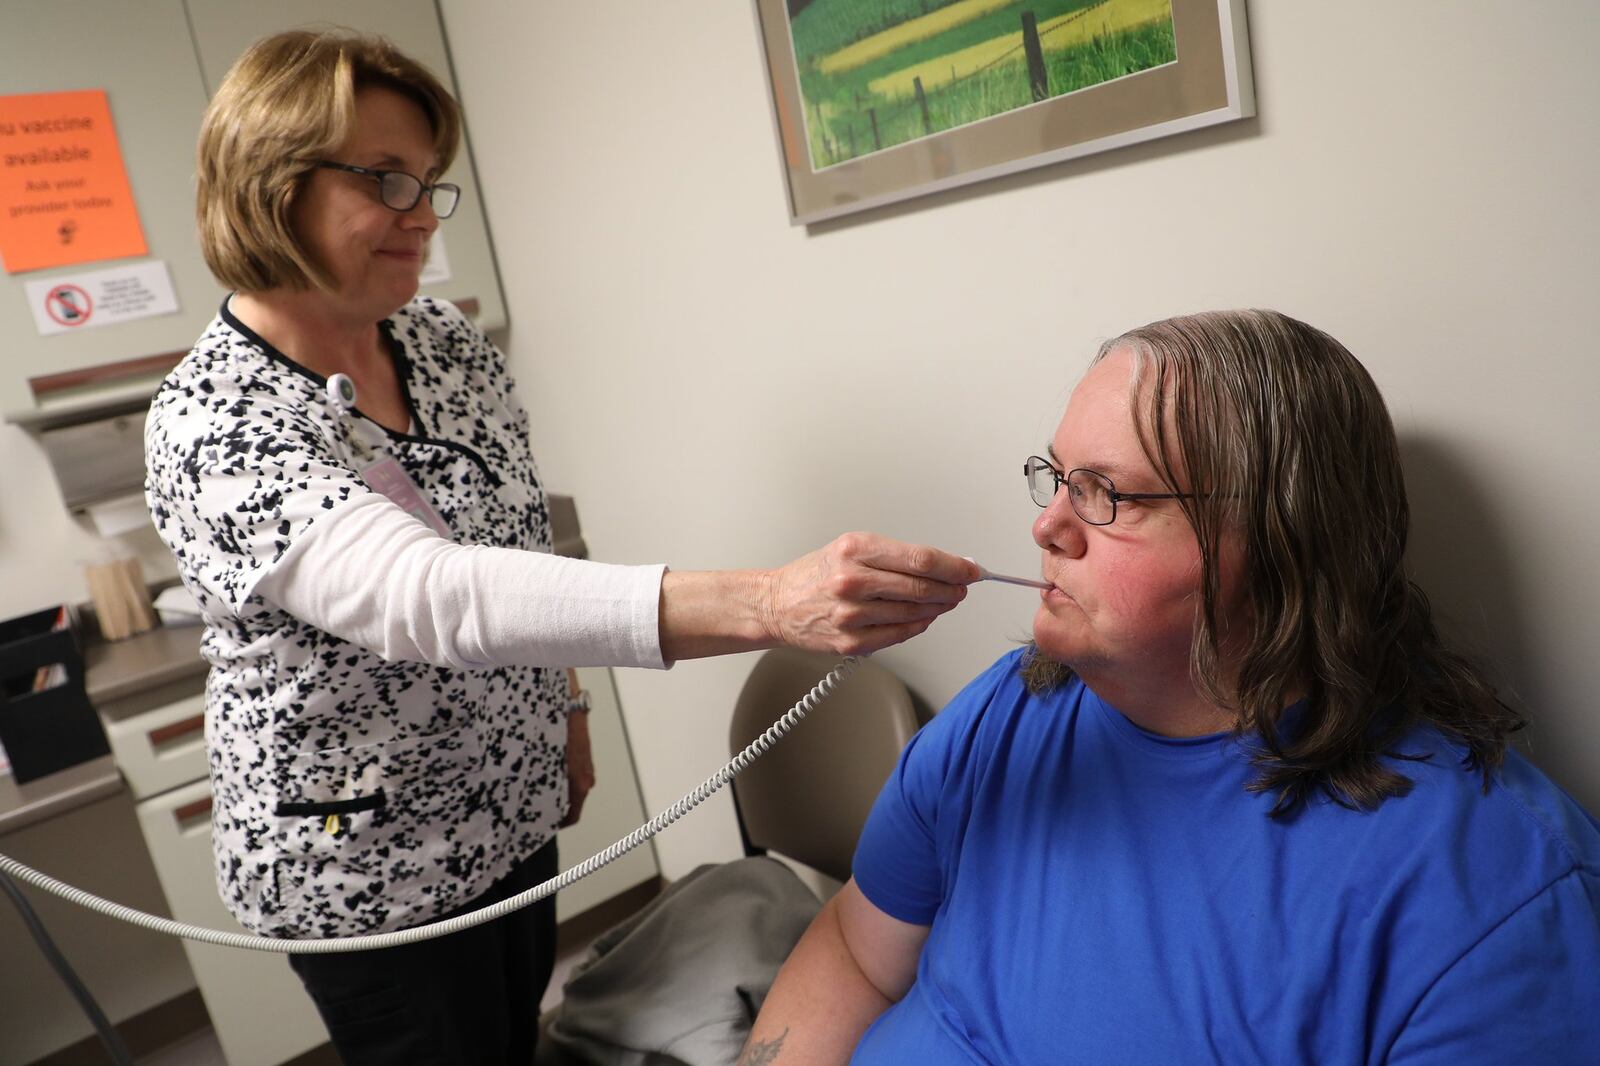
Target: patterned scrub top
{"points": [[352, 794]]}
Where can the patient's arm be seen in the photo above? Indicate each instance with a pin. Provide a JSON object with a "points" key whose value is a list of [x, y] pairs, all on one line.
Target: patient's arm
{"points": [[851, 965]]}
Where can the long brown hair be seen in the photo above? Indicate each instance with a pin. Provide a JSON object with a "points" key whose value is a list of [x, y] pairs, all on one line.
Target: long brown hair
{"points": [[1286, 440]]}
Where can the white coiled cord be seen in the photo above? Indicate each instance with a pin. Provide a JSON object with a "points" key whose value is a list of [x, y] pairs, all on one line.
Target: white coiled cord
{"points": [[757, 748]]}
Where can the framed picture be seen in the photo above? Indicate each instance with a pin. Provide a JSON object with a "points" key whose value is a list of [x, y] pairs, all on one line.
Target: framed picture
{"points": [[881, 100]]}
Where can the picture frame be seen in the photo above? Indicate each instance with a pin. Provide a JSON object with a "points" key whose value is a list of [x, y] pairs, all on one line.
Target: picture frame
{"points": [[878, 101]]}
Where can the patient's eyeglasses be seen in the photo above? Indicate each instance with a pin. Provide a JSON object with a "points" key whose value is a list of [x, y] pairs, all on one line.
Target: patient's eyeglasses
{"points": [[1092, 495], [401, 191]]}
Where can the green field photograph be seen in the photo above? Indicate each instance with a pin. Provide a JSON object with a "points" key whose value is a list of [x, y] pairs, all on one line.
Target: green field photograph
{"points": [[877, 73]]}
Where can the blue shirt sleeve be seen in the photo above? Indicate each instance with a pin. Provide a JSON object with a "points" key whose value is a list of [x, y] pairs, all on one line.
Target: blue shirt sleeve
{"points": [[1529, 991], [900, 860]]}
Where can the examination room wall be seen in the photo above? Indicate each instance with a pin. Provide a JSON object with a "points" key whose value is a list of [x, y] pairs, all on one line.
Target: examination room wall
{"points": [[717, 388]]}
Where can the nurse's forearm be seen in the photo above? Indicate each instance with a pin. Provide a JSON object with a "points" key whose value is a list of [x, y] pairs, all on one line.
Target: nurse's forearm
{"points": [[859, 593], [370, 573], [714, 613], [820, 1003]]}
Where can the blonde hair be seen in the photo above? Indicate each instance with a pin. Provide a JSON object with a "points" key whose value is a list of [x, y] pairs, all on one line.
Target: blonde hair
{"points": [[285, 104], [1287, 440]]}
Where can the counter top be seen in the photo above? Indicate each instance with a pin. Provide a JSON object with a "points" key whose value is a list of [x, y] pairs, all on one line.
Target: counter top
{"points": [[114, 670], [57, 793]]}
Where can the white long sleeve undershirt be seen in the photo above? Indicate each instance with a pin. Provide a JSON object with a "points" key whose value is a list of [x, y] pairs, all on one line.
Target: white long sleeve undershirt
{"points": [[374, 575]]}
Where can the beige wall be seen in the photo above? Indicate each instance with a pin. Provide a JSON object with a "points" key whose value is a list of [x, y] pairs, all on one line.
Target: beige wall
{"points": [[719, 389]]}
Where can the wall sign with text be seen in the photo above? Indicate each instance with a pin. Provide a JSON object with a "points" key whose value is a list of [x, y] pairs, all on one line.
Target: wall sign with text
{"points": [[64, 193]]}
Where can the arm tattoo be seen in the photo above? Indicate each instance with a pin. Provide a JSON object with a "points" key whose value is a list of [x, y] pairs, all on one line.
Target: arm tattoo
{"points": [[763, 1052]]}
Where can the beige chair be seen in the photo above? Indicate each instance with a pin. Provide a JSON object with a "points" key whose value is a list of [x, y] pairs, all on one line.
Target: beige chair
{"points": [[808, 797]]}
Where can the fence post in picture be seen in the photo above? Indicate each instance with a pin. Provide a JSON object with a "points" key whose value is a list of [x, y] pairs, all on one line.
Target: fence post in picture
{"points": [[1038, 79], [877, 142], [922, 102], [821, 128], [850, 131]]}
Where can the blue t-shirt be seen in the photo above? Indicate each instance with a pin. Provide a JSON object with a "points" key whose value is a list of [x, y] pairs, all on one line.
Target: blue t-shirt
{"points": [[1100, 894]]}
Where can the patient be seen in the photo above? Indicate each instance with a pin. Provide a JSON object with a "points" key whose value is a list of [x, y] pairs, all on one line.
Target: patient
{"points": [[1237, 803]]}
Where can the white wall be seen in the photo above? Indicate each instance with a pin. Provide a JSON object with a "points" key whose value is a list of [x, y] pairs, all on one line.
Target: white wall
{"points": [[43, 546], [719, 389]]}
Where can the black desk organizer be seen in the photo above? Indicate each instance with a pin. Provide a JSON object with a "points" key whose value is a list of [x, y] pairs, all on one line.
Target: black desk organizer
{"points": [[50, 729]]}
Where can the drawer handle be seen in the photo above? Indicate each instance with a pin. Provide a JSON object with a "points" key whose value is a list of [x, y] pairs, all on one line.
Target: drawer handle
{"points": [[190, 812], [177, 730]]}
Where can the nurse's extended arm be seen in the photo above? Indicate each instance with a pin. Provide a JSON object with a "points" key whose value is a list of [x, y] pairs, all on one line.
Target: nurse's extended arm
{"points": [[372, 574], [860, 593], [852, 964]]}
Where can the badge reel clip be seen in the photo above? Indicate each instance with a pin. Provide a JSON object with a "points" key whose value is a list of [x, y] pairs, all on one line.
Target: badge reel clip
{"points": [[383, 473]]}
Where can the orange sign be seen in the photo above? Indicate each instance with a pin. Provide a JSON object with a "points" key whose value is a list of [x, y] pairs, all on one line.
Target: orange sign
{"points": [[64, 195]]}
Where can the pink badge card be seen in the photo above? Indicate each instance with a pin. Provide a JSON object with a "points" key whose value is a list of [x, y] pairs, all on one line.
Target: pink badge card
{"points": [[388, 477]]}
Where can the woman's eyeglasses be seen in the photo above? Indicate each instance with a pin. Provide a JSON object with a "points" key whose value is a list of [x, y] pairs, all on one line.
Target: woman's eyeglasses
{"points": [[401, 191], [1092, 495]]}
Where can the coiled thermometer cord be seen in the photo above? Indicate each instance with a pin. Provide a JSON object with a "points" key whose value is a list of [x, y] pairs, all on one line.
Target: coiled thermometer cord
{"points": [[250, 942]]}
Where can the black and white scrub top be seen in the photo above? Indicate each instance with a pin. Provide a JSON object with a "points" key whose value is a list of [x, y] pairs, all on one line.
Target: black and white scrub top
{"points": [[352, 794]]}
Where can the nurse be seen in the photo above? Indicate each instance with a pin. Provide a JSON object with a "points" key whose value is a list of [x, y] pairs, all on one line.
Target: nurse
{"points": [[394, 735]]}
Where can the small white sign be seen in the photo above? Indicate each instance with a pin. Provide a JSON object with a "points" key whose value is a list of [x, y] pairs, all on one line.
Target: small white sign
{"points": [[437, 268], [101, 298]]}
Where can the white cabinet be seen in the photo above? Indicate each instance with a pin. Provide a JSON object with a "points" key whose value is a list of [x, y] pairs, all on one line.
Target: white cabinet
{"points": [[161, 748], [259, 1009]]}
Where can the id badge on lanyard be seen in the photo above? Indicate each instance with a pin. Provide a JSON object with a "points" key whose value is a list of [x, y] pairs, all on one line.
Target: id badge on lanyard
{"points": [[383, 473], [388, 477]]}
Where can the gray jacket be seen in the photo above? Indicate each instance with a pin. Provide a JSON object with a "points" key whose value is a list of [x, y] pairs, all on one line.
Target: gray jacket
{"points": [[683, 980]]}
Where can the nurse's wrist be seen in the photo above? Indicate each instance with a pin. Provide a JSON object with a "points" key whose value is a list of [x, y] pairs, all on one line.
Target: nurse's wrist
{"points": [[715, 612]]}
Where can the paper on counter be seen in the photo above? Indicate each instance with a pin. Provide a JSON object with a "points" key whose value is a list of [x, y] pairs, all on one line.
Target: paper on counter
{"points": [[124, 514]]}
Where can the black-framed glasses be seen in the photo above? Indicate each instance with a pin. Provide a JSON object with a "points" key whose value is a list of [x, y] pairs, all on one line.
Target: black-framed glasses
{"points": [[401, 191], [1092, 495]]}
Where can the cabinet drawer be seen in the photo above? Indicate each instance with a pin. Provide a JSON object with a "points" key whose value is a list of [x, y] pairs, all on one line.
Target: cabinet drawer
{"points": [[257, 1005], [161, 748]]}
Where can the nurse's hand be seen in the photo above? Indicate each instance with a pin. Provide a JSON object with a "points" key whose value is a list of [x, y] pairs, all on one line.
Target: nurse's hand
{"points": [[860, 593], [864, 592]]}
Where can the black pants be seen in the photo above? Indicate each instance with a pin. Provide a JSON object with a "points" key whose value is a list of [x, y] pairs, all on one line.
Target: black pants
{"points": [[471, 998]]}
